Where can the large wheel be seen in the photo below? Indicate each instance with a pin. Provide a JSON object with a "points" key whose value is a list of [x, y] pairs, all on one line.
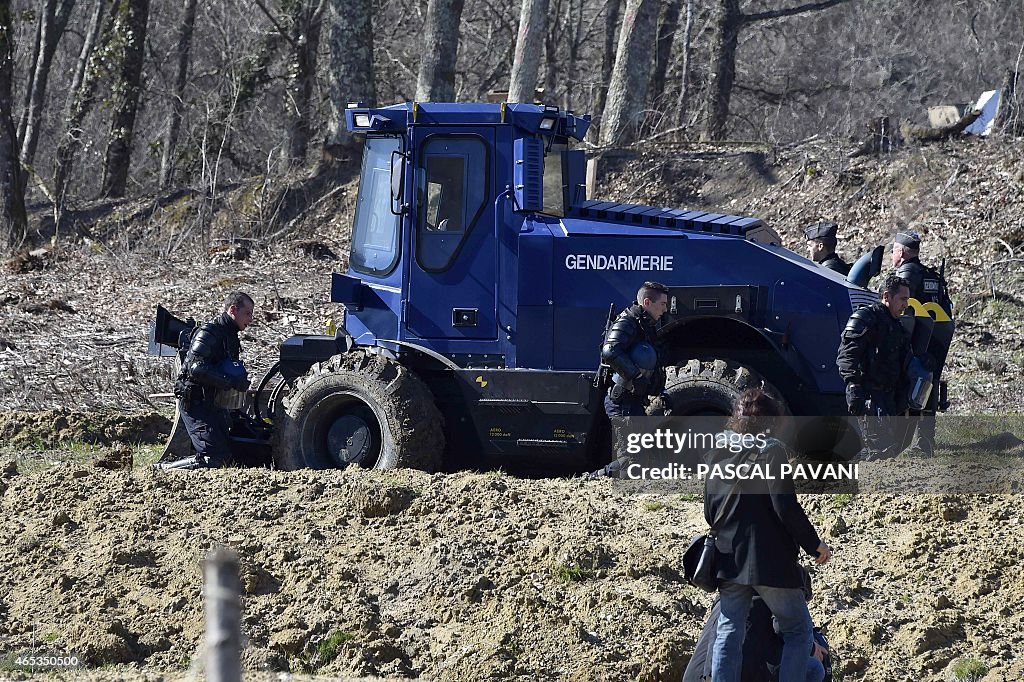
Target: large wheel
{"points": [[710, 387], [359, 408]]}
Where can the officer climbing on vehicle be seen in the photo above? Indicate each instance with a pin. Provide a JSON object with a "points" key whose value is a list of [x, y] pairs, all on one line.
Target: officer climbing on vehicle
{"points": [[212, 382], [872, 360], [821, 247], [630, 350], [931, 323]]}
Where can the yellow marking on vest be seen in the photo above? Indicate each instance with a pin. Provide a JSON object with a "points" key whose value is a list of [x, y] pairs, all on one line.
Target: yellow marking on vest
{"points": [[930, 309]]}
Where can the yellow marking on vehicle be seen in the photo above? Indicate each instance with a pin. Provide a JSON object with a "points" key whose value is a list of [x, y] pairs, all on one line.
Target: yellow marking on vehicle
{"points": [[483, 382]]}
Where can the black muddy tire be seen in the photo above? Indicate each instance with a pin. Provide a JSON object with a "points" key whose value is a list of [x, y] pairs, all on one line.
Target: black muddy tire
{"points": [[361, 409], [710, 387]]}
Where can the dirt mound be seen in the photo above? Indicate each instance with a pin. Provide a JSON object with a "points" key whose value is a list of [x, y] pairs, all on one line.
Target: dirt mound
{"points": [[53, 428], [474, 576]]}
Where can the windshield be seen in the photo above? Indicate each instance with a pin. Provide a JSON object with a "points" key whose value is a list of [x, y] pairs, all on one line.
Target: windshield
{"points": [[375, 234]]}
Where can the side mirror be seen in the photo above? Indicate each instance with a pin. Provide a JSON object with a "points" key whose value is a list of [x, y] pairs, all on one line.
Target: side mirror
{"points": [[397, 183], [866, 267]]}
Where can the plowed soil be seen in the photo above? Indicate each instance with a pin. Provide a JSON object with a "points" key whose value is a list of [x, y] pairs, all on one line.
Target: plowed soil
{"points": [[474, 576]]}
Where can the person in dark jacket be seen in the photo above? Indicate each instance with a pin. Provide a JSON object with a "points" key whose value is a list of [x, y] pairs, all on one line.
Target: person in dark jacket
{"points": [[872, 359], [210, 374], [822, 239], [630, 348], [760, 529], [926, 286]]}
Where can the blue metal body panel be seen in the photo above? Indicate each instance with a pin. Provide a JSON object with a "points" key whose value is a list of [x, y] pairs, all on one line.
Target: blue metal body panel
{"points": [[542, 284]]}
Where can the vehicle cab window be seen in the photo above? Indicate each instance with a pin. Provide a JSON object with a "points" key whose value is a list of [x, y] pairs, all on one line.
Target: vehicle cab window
{"points": [[375, 231], [554, 180], [451, 184]]}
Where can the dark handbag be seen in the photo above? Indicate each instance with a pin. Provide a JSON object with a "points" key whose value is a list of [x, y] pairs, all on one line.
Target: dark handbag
{"points": [[700, 562]]}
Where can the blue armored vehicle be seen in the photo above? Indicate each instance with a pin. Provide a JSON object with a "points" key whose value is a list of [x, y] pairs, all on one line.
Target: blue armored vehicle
{"points": [[478, 288]]}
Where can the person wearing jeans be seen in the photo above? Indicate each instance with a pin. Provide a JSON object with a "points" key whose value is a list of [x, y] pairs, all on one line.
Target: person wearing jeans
{"points": [[795, 629], [762, 646], [760, 528]]}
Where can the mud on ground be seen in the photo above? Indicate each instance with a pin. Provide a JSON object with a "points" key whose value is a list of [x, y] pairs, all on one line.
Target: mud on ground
{"points": [[474, 575]]}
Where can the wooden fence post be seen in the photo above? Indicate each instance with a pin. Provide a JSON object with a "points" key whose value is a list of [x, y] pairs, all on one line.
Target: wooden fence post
{"points": [[222, 593]]}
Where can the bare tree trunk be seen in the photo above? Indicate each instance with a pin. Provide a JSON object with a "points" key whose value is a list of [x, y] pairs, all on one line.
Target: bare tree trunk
{"points": [[350, 74], [435, 81], [684, 87], [132, 16], [727, 20], [611, 25], [13, 221], [37, 45], [529, 45], [183, 46], [666, 36], [83, 94], [552, 39], [52, 22], [574, 20], [632, 72], [305, 42]]}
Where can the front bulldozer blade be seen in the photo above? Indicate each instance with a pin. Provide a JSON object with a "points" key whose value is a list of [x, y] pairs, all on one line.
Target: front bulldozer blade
{"points": [[178, 445]]}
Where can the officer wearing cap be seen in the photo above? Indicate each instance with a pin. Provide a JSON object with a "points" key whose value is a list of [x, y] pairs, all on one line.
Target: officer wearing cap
{"points": [[630, 350], [821, 247], [927, 286]]}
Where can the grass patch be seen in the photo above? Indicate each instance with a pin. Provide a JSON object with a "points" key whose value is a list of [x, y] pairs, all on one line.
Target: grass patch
{"points": [[653, 505], [40, 457], [969, 669], [145, 456], [572, 573], [329, 649], [841, 500]]}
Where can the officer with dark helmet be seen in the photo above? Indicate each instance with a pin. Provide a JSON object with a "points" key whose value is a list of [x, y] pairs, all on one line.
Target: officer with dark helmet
{"points": [[821, 247], [873, 355], [630, 350], [211, 381], [930, 337]]}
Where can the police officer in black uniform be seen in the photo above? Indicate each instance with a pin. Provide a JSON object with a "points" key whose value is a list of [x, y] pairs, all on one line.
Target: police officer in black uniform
{"points": [[872, 360], [211, 369], [630, 348], [821, 247], [926, 286]]}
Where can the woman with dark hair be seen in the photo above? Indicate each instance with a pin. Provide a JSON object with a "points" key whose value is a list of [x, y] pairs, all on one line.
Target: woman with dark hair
{"points": [[754, 412], [760, 528]]}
